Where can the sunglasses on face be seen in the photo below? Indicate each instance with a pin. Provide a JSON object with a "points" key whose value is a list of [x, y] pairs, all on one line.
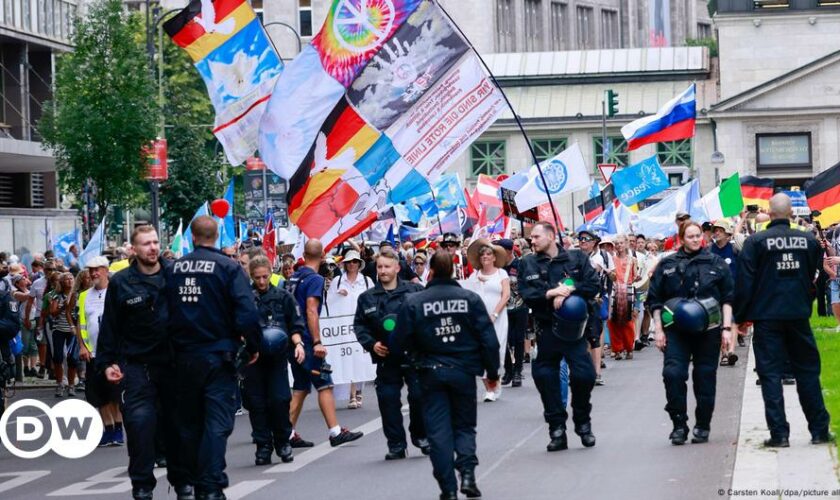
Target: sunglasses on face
{"points": [[449, 245], [586, 240], [419, 263]]}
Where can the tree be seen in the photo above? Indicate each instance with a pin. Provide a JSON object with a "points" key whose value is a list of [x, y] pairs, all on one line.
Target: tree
{"points": [[193, 160], [104, 109]]}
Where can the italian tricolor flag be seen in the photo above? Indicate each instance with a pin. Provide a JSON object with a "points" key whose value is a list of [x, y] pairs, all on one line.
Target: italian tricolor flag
{"points": [[724, 200]]}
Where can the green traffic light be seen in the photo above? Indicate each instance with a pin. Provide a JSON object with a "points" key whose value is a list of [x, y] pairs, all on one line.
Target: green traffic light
{"points": [[612, 103]]}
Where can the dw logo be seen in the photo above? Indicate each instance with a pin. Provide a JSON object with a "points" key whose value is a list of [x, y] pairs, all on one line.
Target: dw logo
{"points": [[72, 428]]}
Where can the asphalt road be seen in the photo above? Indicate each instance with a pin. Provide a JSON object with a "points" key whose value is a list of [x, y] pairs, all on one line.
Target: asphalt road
{"points": [[632, 460]]}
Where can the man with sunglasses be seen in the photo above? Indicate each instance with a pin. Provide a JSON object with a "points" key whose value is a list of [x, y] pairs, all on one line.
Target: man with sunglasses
{"points": [[452, 243]]}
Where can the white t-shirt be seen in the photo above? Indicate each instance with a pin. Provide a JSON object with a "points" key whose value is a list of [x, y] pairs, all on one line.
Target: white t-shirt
{"points": [[94, 308], [37, 290]]}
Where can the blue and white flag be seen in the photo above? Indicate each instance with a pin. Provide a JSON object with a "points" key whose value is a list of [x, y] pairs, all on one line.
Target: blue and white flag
{"points": [[594, 190], [94, 246], [204, 209], [640, 181], [565, 173], [228, 227], [658, 220], [61, 247]]}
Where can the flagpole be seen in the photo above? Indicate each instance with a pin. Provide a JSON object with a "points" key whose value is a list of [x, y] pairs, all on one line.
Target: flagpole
{"points": [[513, 111]]}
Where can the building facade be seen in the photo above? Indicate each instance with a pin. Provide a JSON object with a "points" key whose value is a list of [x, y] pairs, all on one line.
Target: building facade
{"points": [[32, 32], [779, 110], [503, 26]]}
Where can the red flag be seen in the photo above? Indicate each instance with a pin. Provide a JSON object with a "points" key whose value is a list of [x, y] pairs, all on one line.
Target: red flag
{"points": [[269, 242]]}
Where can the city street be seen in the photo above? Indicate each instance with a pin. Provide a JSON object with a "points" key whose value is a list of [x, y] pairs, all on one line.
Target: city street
{"points": [[632, 460]]}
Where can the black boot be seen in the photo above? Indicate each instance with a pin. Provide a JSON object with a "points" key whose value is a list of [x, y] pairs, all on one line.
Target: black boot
{"points": [[185, 492], [468, 484], [396, 454], [586, 436], [777, 442], [449, 495], [142, 494], [263, 455], [507, 378], [679, 434], [822, 438], [558, 440], [423, 444], [699, 435], [210, 495], [285, 453], [517, 380]]}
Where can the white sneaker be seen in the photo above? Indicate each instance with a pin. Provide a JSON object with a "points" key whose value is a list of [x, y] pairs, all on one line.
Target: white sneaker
{"points": [[498, 392], [489, 396]]}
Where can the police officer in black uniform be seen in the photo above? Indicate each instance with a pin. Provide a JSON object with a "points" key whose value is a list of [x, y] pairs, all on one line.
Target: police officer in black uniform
{"points": [[776, 271], [446, 332], [211, 308], [691, 296], [134, 351], [9, 327], [547, 277], [375, 320], [266, 392]]}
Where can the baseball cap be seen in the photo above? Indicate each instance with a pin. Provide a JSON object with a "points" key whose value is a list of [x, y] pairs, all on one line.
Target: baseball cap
{"points": [[505, 243], [98, 261], [682, 215]]}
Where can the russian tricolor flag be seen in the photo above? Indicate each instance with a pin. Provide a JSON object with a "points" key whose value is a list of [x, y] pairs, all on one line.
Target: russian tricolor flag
{"points": [[673, 122]]}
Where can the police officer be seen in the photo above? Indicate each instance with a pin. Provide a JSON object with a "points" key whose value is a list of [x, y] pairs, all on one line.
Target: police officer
{"points": [[266, 391], [211, 307], [9, 327], [547, 278], [446, 331], [133, 351], [776, 270], [374, 321], [691, 331]]}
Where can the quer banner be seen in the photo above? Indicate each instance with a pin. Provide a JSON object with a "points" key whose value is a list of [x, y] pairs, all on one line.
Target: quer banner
{"points": [[350, 362]]}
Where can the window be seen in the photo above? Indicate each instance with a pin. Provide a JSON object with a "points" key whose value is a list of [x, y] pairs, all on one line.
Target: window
{"points": [[533, 26], [9, 12], [617, 151], [704, 31], [559, 30], [505, 26], [675, 153], [487, 157], [305, 17], [585, 28], [610, 32], [546, 149], [675, 180]]}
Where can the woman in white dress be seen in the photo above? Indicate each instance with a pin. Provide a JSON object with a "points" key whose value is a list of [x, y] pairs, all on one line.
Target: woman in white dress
{"points": [[490, 281]]}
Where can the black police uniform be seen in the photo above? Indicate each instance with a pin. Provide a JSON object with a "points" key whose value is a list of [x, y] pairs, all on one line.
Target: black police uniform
{"points": [[373, 306], [132, 334], [700, 274], [517, 313], [446, 332], [210, 307], [9, 327], [266, 392], [537, 274], [776, 270]]}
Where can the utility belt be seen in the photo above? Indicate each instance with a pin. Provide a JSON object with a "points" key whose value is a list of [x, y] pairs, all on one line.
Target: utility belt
{"points": [[691, 315]]}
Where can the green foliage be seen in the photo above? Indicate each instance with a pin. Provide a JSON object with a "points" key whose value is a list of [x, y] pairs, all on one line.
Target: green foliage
{"points": [[711, 43], [104, 109]]}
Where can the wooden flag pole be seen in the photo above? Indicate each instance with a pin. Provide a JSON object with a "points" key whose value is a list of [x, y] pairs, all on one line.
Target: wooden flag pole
{"points": [[513, 111]]}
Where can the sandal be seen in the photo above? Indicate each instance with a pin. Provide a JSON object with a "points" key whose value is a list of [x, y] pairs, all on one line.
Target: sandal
{"points": [[724, 361]]}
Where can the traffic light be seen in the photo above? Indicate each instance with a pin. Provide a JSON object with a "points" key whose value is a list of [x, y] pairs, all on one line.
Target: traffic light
{"points": [[612, 103]]}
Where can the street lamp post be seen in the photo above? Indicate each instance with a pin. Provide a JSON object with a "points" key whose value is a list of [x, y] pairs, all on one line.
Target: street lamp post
{"points": [[291, 28]]}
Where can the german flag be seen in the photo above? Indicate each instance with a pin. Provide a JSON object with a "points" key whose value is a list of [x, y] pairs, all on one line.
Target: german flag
{"points": [[199, 36], [824, 195], [591, 208], [757, 191]]}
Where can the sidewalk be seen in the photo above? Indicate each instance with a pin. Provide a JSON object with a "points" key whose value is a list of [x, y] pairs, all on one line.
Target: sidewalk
{"points": [[801, 471]]}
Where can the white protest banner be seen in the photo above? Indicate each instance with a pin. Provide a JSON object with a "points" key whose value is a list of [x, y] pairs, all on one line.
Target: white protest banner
{"points": [[349, 361], [448, 118]]}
